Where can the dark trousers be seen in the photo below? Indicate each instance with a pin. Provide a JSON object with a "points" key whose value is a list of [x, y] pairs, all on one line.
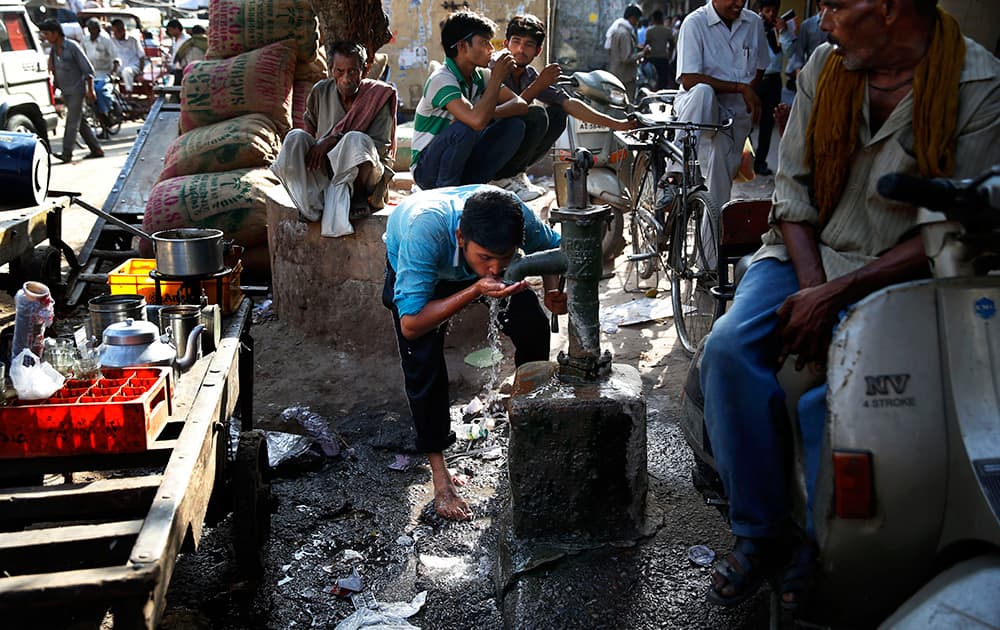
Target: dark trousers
{"points": [[461, 155], [769, 91], [664, 78], [543, 124], [425, 372]]}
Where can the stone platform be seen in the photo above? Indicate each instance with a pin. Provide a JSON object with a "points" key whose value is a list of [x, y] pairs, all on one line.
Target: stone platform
{"points": [[331, 288]]}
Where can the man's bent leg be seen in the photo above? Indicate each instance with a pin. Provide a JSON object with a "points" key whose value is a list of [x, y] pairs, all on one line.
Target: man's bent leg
{"points": [[536, 124], [718, 152], [442, 162], [812, 424], [557, 124], [304, 185], [744, 403], [74, 114], [128, 74], [103, 89], [494, 147], [425, 375], [89, 136], [525, 323]]}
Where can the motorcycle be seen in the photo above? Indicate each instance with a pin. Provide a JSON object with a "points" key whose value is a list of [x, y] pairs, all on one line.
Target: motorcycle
{"points": [[907, 499]]}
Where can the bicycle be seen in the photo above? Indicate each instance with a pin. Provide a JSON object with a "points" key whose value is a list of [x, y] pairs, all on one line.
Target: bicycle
{"points": [[669, 203], [108, 125]]}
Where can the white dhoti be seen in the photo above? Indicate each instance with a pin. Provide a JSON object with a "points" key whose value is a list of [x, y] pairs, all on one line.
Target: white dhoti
{"points": [[318, 196], [719, 153]]}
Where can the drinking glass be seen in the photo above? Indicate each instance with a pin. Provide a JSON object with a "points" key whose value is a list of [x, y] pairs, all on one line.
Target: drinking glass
{"points": [[62, 356], [88, 364]]}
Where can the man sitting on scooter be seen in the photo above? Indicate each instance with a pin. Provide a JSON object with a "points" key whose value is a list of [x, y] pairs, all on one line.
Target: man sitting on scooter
{"points": [[546, 119], [899, 90]]}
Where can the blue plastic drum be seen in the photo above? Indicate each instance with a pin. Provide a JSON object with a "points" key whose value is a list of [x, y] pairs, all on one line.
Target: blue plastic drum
{"points": [[24, 169]]}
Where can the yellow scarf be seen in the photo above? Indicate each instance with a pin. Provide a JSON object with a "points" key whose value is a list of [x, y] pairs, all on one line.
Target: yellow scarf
{"points": [[839, 101]]}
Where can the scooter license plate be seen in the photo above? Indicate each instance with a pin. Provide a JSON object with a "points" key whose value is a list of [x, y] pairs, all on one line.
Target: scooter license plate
{"points": [[589, 127]]}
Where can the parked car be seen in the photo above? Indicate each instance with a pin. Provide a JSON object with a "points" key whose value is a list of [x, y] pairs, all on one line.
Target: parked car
{"points": [[27, 101]]}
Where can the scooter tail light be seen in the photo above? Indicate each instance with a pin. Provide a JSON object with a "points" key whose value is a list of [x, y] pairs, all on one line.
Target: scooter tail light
{"points": [[853, 484]]}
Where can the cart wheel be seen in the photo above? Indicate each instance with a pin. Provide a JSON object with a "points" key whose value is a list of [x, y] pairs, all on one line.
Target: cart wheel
{"points": [[221, 501], [251, 502], [45, 266]]}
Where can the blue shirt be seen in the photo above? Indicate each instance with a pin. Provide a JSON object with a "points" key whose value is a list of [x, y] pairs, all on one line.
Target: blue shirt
{"points": [[775, 65], [422, 246]]}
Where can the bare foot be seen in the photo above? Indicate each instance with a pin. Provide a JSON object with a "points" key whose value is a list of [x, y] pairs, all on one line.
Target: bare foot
{"points": [[448, 503]]}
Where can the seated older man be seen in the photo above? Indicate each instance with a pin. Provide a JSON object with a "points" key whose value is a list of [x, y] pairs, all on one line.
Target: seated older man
{"points": [[343, 159], [861, 112]]}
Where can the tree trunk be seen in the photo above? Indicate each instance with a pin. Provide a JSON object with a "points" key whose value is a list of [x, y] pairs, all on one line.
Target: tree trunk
{"points": [[361, 21]]}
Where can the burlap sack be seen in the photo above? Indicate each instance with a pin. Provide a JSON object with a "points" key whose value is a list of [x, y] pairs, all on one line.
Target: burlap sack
{"points": [[255, 82], [233, 201], [300, 94], [249, 141], [239, 26]]}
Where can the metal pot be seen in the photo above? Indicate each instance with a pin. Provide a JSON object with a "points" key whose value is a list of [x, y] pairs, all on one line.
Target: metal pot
{"points": [[109, 309], [189, 251], [136, 343], [177, 322]]}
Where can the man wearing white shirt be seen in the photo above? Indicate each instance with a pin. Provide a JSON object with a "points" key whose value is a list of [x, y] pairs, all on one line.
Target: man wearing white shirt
{"points": [[101, 52], [721, 55], [130, 54]]}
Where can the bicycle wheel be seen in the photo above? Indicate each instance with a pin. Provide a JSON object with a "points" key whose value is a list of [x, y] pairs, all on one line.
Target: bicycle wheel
{"points": [[691, 278], [645, 231], [115, 116]]}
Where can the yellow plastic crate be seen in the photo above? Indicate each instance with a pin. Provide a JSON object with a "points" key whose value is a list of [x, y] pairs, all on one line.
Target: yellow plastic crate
{"points": [[132, 278]]}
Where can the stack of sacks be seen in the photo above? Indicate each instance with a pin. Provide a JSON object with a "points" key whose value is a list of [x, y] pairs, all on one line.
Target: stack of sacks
{"points": [[236, 106]]}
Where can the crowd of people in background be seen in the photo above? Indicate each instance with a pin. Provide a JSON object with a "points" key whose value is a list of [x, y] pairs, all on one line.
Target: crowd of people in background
{"points": [[109, 54]]}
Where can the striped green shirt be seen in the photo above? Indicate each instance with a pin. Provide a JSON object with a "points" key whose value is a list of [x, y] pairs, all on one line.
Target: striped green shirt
{"points": [[443, 86]]}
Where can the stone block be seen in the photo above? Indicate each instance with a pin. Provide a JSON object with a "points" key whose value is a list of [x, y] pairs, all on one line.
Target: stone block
{"points": [[577, 455]]}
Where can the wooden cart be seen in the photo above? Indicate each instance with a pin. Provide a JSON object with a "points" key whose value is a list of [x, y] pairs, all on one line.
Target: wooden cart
{"points": [[73, 551]]}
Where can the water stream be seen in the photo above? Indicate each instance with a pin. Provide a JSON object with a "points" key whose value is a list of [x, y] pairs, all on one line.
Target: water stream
{"points": [[492, 407]]}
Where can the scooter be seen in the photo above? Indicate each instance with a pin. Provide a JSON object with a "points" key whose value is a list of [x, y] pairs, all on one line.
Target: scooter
{"points": [[607, 179], [907, 501]]}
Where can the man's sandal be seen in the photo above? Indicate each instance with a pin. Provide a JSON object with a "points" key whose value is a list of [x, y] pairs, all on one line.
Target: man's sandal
{"points": [[743, 570], [797, 578]]}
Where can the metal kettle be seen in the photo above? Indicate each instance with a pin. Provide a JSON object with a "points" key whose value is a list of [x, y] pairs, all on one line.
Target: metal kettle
{"points": [[136, 343]]}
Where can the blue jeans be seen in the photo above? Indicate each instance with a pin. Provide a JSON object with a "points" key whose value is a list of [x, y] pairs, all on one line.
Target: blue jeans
{"points": [[461, 155], [543, 124], [103, 89], [745, 406]]}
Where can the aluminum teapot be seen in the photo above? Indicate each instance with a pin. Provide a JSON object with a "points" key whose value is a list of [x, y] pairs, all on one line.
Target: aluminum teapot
{"points": [[136, 343]]}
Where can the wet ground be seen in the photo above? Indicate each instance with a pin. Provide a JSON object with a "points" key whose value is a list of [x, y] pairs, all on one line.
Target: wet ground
{"points": [[350, 512], [331, 507]]}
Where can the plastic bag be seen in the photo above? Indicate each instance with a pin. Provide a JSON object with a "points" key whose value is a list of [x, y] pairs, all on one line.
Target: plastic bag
{"points": [[392, 616], [33, 379]]}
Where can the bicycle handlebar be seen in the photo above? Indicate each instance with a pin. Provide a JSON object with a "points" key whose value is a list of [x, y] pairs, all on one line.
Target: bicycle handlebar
{"points": [[679, 125]]}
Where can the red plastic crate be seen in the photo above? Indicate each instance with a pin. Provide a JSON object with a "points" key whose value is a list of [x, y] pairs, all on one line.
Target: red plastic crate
{"points": [[123, 412]]}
